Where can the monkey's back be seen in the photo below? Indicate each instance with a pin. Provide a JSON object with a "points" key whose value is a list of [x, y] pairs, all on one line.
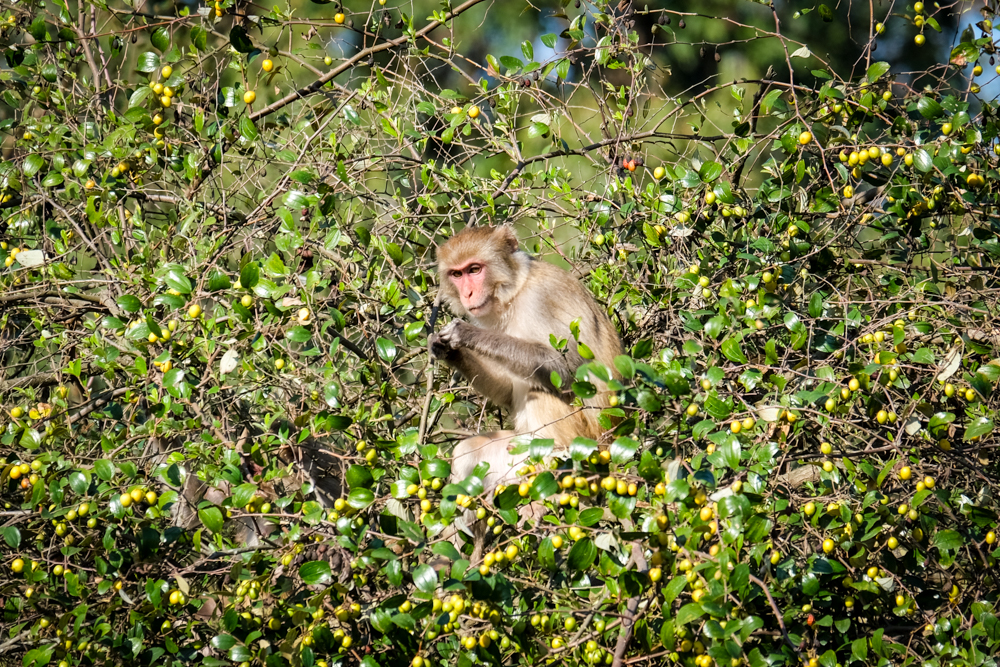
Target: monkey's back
{"points": [[535, 314]]}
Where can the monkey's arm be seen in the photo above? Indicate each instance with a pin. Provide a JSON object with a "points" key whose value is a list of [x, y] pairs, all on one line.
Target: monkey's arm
{"points": [[525, 360], [484, 377]]}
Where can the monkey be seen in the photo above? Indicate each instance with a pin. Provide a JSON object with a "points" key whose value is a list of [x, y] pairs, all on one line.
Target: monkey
{"points": [[514, 303]]}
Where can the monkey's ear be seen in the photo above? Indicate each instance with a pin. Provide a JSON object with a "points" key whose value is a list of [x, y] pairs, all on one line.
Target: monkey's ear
{"points": [[505, 236]]}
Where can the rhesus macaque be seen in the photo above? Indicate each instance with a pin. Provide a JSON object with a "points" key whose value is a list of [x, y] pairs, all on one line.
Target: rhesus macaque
{"points": [[513, 303]]}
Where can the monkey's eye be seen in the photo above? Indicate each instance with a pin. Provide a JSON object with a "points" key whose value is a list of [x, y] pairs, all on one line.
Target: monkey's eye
{"points": [[475, 268], [456, 274]]}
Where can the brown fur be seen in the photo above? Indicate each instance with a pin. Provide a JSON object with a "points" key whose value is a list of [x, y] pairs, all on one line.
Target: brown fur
{"points": [[506, 354]]}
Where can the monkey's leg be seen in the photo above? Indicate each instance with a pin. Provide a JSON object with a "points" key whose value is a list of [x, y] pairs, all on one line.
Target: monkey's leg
{"points": [[490, 448]]}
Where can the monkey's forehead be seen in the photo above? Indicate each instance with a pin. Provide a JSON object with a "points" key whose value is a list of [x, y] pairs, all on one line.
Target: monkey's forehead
{"points": [[473, 240]]}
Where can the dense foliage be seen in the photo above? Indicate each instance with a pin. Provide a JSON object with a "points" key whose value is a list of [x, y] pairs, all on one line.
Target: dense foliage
{"points": [[223, 440]]}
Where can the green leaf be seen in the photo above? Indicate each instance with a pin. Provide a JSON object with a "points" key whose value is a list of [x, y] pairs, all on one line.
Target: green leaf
{"points": [[147, 62], [360, 498], [582, 555], [250, 275], [248, 130], [32, 164], [160, 38], [211, 518], [710, 171], [178, 281], [223, 642], [859, 649], [219, 281], [243, 493], [105, 469], [12, 536], [948, 540], [731, 348], [52, 179], [298, 334], [689, 612], [50, 72], [425, 578], [386, 349], [922, 160], [315, 572], [876, 71], [79, 482], [240, 40], [623, 449], [980, 426], [929, 108], [359, 477], [129, 303]]}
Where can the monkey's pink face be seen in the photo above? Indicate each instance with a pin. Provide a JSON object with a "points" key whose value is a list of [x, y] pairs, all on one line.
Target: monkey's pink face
{"points": [[473, 287]]}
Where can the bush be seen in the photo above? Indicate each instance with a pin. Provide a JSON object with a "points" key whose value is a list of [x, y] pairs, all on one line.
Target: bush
{"points": [[225, 443]]}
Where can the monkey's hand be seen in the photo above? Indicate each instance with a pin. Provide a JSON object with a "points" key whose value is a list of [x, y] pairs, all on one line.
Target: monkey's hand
{"points": [[448, 340]]}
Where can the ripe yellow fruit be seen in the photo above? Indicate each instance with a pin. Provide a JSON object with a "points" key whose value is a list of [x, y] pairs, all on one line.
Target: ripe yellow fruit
{"points": [[919, 40], [249, 97], [805, 138], [828, 545], [848, 191], [18, 565], [338, 17], [246, 301], [267, 65], [655, 574], [991, 537], [166, 71], [905, 473], [126, 500], [929, 482], [165, 101], [659, 173], [473, 112], [810, 508], [194, 311], [853, 384], [16, 412], [892, 542], [304, 314], [557, 541], [706, 513], [825, 448], [827, 466], [736, 426]]}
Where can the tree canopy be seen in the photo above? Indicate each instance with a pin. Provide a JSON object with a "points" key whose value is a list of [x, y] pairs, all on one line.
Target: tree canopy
{"points": [[223, 441]]}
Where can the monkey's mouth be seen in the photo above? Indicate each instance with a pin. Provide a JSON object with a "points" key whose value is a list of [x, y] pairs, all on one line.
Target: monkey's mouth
{"points": [[479, 308]]}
